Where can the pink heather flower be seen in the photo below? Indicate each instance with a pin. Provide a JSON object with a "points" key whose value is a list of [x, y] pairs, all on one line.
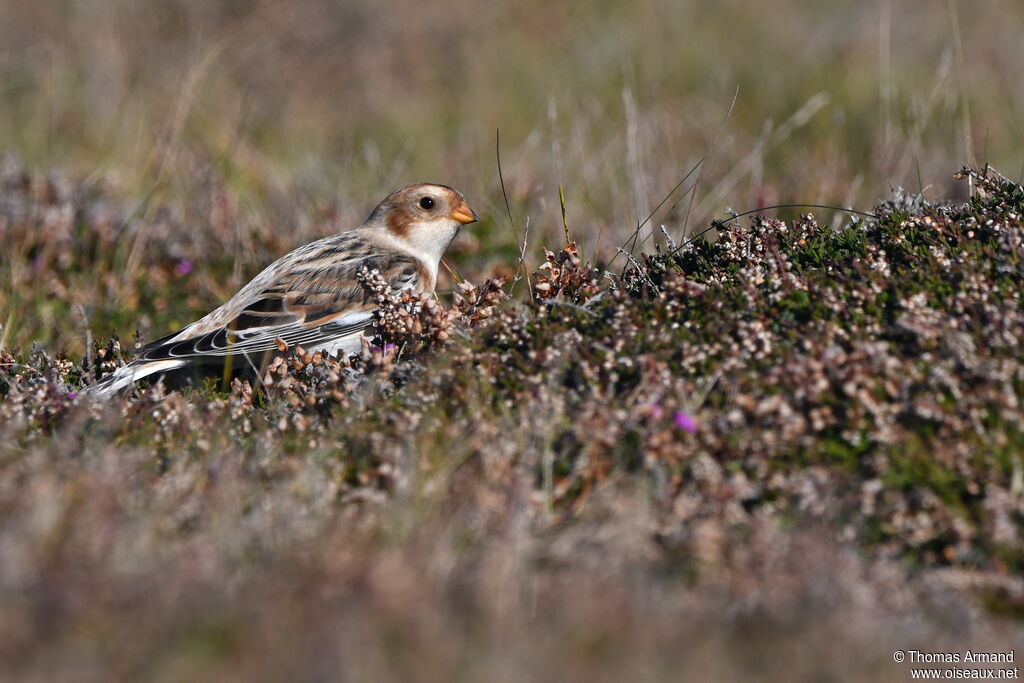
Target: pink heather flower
{"points": [[184, 267], [685, 422]]}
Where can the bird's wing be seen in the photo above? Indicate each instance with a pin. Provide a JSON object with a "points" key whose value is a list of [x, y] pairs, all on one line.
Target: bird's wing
{"points": [[224, 342], [310, 297]]}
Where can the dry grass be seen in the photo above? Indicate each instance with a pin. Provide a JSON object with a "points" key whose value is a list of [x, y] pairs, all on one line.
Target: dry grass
{"points": [[309, 106]]}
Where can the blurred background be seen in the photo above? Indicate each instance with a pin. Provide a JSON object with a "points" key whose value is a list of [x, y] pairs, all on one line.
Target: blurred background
{"points": [[304, 114]]}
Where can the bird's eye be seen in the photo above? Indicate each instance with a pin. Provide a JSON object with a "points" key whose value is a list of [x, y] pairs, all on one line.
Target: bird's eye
{"points": [[427, 203]]}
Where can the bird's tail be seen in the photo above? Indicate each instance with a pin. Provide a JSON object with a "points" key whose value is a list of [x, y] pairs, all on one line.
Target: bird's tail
{"points": [[129, 374]]}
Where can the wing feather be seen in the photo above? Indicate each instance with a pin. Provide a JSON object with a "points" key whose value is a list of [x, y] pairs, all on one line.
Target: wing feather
{"points": [[310, 297]]}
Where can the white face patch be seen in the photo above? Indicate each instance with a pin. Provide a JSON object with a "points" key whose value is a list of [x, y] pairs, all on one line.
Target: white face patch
{"points": [[430, 239]]}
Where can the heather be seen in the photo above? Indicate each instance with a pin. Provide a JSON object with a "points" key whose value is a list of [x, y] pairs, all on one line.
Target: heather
{"points": [[781, 415]]}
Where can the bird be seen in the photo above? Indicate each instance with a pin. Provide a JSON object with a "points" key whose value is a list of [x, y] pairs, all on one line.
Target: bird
{"points": [[310, 296]]}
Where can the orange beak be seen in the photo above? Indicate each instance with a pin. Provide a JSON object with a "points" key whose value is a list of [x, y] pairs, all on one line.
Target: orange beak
{"points": [[464, 214]]}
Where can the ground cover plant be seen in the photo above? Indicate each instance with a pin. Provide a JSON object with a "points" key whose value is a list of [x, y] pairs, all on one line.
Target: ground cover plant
{"points": [[677, 428]]}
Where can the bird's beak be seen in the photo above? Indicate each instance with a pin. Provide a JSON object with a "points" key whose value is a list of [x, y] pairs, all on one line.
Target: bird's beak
{"points": [[464, 214]]}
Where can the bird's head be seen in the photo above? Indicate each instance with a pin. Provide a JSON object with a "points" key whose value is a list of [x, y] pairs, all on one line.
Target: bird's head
{"points": [[426, 217]]}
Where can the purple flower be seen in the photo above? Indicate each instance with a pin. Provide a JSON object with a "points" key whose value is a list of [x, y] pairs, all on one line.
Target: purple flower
{"points": [[72, 396], [685, 422], [184, 267]]}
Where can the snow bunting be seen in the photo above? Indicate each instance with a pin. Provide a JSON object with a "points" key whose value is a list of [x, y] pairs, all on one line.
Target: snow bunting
{"points": [[310, 296]]}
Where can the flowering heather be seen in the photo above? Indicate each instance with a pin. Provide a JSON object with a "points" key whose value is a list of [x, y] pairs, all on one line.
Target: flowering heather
{"points": [[787, 429], [685, 422]]}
